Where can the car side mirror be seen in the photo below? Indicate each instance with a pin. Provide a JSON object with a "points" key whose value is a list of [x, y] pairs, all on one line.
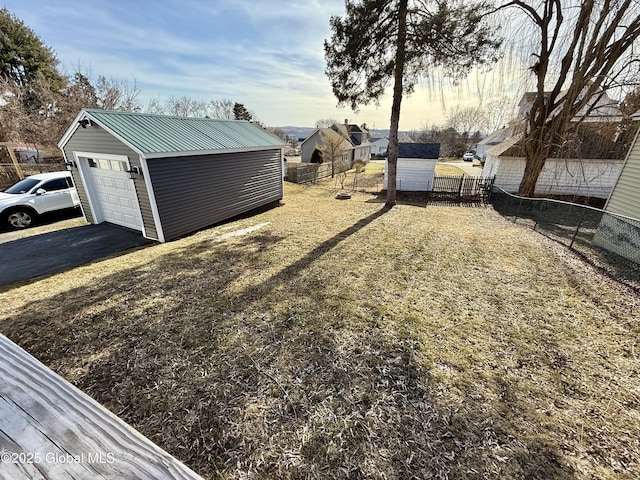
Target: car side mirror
{"points": [[40, 191]]}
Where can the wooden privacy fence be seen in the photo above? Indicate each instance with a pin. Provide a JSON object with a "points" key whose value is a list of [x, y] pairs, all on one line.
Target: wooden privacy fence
{"points": [[311, 172], [9, 173]]}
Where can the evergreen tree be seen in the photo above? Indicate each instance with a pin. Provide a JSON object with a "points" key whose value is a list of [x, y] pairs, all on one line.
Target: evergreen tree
{"points": [[24, 58], [379, 41], [241, 113]]}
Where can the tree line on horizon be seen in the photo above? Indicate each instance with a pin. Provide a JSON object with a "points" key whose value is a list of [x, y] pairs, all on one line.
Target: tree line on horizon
{"points": [[38, 102]]}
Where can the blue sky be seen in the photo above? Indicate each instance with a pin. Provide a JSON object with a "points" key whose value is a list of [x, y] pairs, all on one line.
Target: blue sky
{"points": [[266, 54]]}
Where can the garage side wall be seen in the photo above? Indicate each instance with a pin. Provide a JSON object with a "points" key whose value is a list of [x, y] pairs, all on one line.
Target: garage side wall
{"points": [[97, 140], [197, 191]]}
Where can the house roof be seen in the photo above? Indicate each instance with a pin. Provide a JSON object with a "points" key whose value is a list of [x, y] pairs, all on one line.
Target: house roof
{"points": [[584, 143], [155, 135], [354, 131], [418, 150], [496, 137], [317, 137], [599, 108]]}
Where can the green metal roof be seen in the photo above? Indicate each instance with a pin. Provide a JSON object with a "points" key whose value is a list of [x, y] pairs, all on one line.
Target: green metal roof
{"points": [[153, 134]]}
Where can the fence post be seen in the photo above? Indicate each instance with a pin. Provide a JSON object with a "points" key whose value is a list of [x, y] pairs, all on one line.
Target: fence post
{"points": [[14, 160], [518, 212], [575, 234], [460, 188]]}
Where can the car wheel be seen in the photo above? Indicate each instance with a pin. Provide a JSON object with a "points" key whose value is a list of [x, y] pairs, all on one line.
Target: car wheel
{"points": [[20, 218]]}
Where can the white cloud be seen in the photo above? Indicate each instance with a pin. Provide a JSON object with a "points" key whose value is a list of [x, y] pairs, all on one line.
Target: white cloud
{"points": [[266, 54]]}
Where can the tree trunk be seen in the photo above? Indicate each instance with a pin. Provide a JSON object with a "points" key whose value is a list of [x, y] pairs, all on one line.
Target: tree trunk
{"points": [[535, 157], [532, 170], [392, 160]]}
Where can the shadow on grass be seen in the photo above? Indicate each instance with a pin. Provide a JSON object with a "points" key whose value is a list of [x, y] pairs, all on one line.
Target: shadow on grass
{"points": [[422, 199], [273, 380]]}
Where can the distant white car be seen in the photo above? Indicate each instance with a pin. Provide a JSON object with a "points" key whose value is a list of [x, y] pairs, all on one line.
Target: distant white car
{"points": [[22, 203], [468, 157]]}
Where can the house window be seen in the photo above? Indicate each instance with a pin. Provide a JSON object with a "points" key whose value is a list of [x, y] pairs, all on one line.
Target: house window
{"points": [[103, 164]]}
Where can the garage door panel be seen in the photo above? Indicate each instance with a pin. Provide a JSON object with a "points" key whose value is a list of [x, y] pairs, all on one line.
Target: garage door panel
{"points": [[119, 183], [115, 194]]}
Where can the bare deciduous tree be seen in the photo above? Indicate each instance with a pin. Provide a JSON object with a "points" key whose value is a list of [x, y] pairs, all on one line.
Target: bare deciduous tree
{"points": [[221, 108], [116, 94], [582, 49], [497, 113], [325, 122], [334, 145], [465, 119]]}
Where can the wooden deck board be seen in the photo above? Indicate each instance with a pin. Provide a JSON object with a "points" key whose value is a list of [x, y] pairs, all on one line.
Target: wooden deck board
{"points": [[51, 430]]}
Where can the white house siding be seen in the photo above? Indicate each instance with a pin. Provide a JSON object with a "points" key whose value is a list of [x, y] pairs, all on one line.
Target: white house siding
{"points": [[314, 140], [592, 178], [491, 166], [309, 145], [620, 234], [379, 147], [362, 152], [625, 198], [413, 174]]}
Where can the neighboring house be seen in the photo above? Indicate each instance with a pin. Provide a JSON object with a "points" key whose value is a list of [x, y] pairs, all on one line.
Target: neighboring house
{"points": [[416, 166], [620, 231], [356, 146], [586, 165], [492, 140], [169, 176], [600, 109], [379, 146], [313, 141]]}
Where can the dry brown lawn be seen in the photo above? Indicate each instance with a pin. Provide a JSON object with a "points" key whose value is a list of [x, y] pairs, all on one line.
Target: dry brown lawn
{"points": [[448, 170], [335, 339]]}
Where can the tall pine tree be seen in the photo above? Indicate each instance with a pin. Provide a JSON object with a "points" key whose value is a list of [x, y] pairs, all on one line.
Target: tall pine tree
{"points": [[24, 58], [380, 41]]}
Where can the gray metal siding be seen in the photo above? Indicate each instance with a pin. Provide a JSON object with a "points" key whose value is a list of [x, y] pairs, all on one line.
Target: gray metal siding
{"points": [[94, 139], [197, 191]]}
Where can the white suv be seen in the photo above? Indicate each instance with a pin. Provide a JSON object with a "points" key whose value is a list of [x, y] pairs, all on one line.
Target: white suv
{"points": [[22, 203]]}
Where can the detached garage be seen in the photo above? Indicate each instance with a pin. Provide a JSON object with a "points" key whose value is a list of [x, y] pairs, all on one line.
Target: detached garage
{"points": [[169, 176]]}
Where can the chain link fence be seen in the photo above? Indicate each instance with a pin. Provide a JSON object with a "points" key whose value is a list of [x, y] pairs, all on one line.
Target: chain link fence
{"points": [[609, 241]]}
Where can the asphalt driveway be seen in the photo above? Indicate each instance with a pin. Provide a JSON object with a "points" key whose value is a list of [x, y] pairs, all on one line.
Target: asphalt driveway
{"points": [[60, 250]]}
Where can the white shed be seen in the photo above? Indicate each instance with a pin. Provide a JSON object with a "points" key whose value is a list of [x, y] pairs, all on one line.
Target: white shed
{"points": [[416, 166]]}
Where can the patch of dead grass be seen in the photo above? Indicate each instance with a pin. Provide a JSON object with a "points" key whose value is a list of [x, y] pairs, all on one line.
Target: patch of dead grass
{"points": [[448, 170], [340, 340]]}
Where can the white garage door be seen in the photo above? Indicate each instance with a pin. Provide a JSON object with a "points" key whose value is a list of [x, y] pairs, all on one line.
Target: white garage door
{"points": [[114, 193]]}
